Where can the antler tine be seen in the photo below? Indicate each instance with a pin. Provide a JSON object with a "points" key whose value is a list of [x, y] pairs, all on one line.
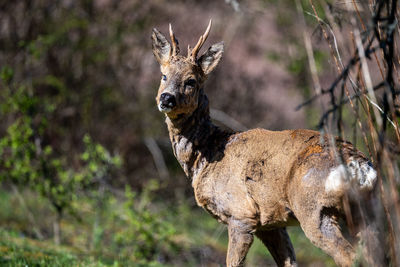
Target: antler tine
{"points": [[175, 48], [201, 41], [196, 48]]}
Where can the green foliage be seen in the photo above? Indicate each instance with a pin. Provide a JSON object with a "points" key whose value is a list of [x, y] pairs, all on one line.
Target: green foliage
{"points": [[141, 234], [99, 162], [71, 83], [131, 229], [29, 160], [128, 230]]}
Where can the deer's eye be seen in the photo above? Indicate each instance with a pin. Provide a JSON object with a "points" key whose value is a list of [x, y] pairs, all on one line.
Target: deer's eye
{"points": [[164, 77], [190, 83]]}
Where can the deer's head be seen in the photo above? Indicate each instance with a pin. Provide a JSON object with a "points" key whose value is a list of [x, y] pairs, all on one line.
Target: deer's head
{"points": [[182, 77]]}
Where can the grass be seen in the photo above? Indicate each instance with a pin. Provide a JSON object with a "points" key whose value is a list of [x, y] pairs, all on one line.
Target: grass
{"points": [[16, 250], [200, 240]]}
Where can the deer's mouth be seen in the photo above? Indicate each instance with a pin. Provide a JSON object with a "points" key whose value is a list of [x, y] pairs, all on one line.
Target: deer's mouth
{"points": [[163, 108]]}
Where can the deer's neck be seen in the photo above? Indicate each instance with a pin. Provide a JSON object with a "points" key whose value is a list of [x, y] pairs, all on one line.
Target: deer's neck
{"points": [[196, 141]]}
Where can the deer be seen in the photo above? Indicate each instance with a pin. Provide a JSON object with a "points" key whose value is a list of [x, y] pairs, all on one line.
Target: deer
{"points": [[257, 182]]}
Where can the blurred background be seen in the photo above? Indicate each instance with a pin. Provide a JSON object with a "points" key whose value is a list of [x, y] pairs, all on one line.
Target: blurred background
{"points": [[87, 173]]}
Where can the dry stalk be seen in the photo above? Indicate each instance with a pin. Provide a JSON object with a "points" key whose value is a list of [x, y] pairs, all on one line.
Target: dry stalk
{"points": [[379, 32]]}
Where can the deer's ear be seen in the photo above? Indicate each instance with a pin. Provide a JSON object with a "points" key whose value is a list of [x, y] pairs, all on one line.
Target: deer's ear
{"points": [[161, 47], [209, 60]]}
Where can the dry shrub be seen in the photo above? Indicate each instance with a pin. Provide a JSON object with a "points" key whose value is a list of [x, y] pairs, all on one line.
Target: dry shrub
{"points": [[363, 103]]}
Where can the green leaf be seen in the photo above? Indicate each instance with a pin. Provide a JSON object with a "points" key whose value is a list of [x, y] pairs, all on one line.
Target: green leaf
{"points": [[6, 74]]}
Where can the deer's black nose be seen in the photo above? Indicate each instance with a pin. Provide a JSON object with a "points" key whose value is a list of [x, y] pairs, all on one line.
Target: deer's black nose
{"points": [[167, 100]]}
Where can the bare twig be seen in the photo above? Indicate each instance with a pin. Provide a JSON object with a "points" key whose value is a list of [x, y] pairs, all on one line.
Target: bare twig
{"points": [[158, 158], [31, 218], [227, 120]]}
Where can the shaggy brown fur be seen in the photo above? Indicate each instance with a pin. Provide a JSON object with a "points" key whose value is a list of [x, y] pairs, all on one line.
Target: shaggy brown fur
{"points": [[258, 181]]}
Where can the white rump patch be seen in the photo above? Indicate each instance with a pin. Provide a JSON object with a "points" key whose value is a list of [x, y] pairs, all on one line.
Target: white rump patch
{"points": [[359, 172], [363, 173], [336, 178]]}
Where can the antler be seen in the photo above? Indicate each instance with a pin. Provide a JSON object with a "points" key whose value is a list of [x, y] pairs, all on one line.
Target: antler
{"points": [[193, 54], [175, 43]]}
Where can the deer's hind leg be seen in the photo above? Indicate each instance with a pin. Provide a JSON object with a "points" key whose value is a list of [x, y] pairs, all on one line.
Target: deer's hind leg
{"points": [[322, 228], [279, 245]]}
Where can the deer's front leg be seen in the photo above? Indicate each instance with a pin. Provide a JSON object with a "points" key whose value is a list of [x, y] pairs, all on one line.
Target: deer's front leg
{"points": [[240, 240]]}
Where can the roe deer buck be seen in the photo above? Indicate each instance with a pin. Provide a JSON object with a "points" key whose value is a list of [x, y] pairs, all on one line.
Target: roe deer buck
{"points": [[259, 181]]}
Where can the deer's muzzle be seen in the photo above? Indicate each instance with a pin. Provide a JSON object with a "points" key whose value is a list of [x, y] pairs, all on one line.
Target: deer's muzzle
{"points": [[167, 102]]}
